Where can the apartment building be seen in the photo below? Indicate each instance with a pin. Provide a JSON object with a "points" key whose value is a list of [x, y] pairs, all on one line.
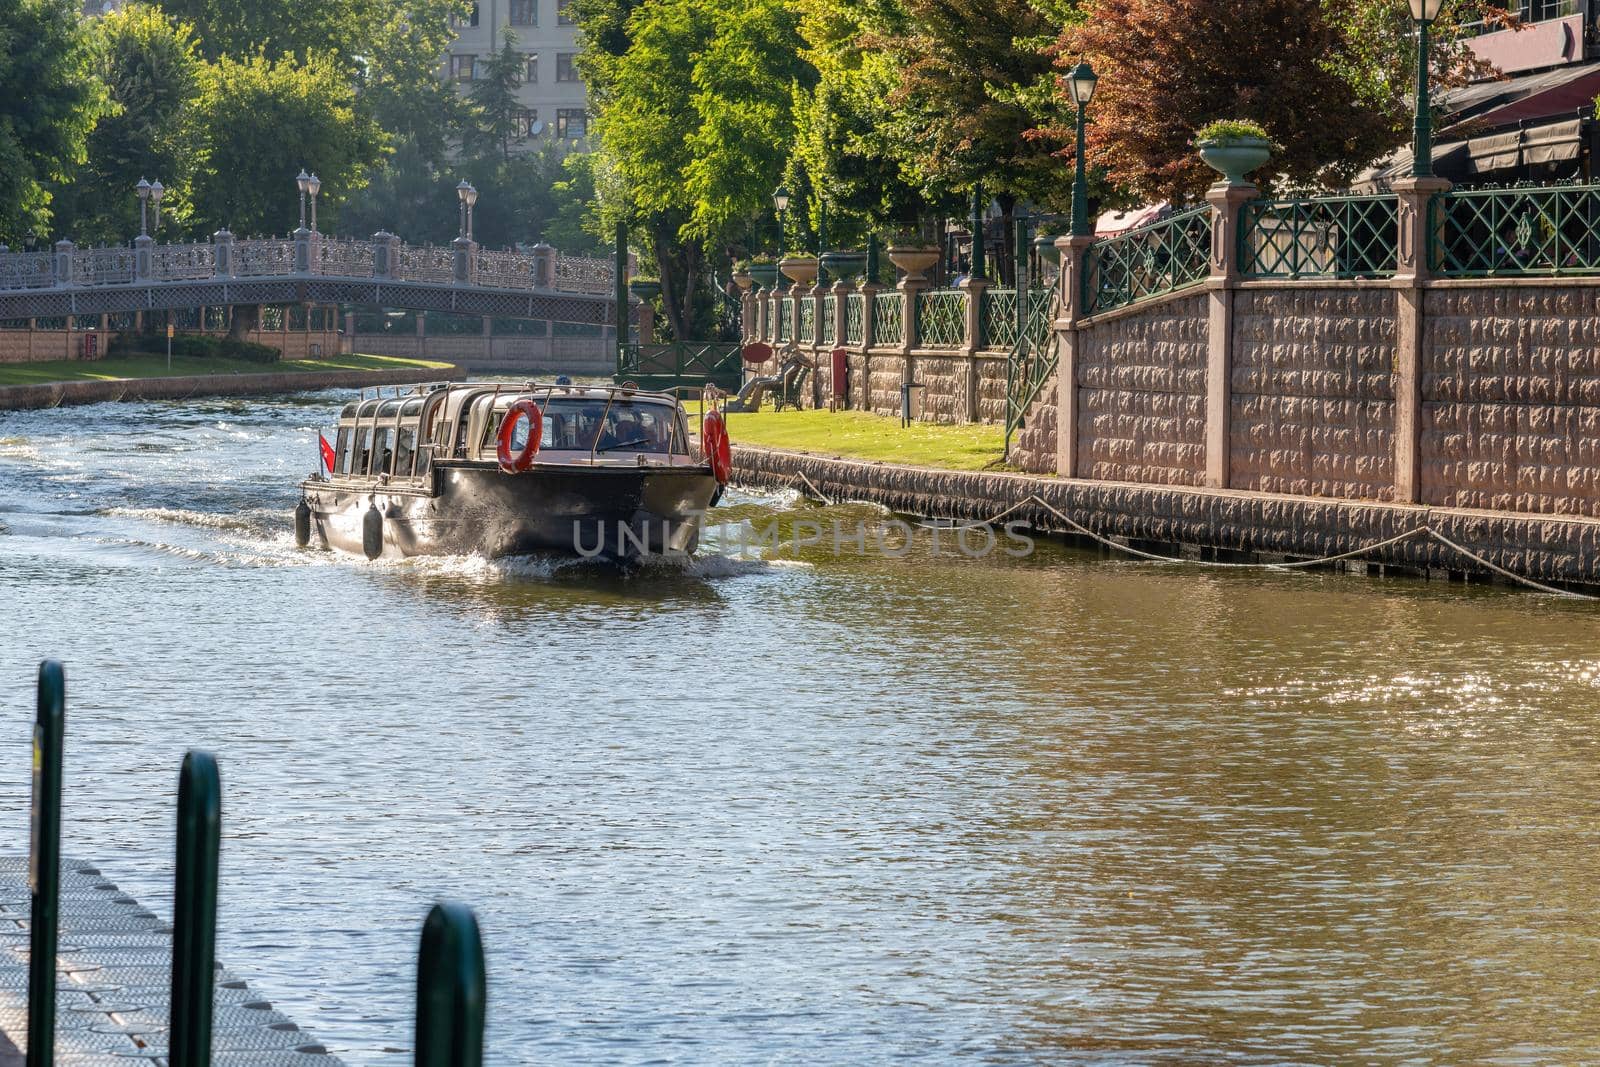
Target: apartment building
{"points": [[552, 94]]}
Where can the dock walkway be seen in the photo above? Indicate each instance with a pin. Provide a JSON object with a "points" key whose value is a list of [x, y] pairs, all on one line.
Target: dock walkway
{"points": [[114, 967]]}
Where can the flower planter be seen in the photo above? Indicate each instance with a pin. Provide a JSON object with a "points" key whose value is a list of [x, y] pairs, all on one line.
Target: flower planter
{"points": [[802, 270], [914, 259], [764, 274], [646, 289], [1045, 246], [743, 280], [844, 266], [1235, 157]]}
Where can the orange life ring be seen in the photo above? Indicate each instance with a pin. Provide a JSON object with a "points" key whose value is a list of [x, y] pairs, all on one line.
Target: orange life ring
{"points": [[517, 462], [714, 443]]}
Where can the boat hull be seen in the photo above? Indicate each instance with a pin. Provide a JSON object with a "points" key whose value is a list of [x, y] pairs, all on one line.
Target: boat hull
{"points": [[604, 512]]}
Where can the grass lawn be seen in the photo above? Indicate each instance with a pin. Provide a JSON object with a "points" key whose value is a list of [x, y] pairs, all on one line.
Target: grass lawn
{"points": [[73, 370], [861, 435]]}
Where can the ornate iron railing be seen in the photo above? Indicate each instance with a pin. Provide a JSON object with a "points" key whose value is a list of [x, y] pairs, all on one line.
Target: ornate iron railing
{"points": [[855, 316], [785, 319], [579, 274], [1000, 318], [1483, 232], [941, 318], [345, 259], [426, 265], [807, 330], [504, 270], [1147, 261], [103, 266], [888, 318], [177, 263], [263, 258], [1326, 237], [1032, 359], [830, 306], [27, 270]]}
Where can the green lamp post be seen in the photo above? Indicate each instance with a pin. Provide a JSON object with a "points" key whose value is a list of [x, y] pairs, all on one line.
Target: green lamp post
{"points": [[1423, 12], [780, 202], [1081, 82]]}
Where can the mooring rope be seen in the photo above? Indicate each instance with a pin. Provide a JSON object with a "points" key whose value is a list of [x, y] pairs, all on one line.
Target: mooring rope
{"points": [[1152, 557]]}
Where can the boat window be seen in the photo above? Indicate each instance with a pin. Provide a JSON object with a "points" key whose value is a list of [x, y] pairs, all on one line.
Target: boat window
{"points": [[358, 463], [341, 451], [405, 446], [380, 451], [349, 411]]}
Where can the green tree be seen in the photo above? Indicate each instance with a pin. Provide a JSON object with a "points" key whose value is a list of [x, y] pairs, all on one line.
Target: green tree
{"points": [[494, 122], [242, 28], [151, 72], [258, 121], [49, 101], [399, 74]]}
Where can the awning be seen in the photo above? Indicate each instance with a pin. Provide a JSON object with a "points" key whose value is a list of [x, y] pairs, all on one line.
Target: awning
{"points": [[1553, 142], [1562, 92], [1112, 223]]}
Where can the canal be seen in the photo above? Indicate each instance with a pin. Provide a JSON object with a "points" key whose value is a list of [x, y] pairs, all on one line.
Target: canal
{"points": [[852, 810]]}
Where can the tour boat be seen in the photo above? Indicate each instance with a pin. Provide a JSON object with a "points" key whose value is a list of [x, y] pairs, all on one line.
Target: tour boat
{"points": [[496, 469]]}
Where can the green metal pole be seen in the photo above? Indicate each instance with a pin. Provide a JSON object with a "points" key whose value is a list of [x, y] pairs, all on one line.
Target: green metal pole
{"points": [[1080, 184], [622, 294], [822, 238], [450, 989], [872, 258], [44, 867], [1021, 253], [194, 911], [1422, 139], [976, 222]]}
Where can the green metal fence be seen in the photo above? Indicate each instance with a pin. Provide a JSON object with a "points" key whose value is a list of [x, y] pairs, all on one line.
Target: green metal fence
{"points": [[888, 318], [1147, 261], [941, 318], [1483, 232], [808, 320], [830, 305], [785, 319], [663, 366], [1032, 359], [855, 314], [1326, 237], [1000, 318]]}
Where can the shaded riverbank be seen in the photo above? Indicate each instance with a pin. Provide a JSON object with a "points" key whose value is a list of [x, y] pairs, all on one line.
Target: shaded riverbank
{"points": [[1208, 524]]}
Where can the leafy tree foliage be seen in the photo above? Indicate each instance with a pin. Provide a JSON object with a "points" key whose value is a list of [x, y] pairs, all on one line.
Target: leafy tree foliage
{"points": [[151, 70], [49, 102], [400, 74], [492, 123], [242, 28]]}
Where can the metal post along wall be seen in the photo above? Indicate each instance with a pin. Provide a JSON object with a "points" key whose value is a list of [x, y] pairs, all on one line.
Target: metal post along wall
{"points": [[194, 911], [44, 862], [451, 991]]}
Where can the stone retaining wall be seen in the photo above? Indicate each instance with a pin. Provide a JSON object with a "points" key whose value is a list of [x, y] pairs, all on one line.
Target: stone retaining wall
{"points": [[62, 394], [1239, 524], [563, 355], [38, 346]]}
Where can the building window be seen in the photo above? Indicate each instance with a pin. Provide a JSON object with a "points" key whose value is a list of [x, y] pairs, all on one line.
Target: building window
{"points": [[563, 16], [528, 122], [565, 71], [530, 71], [471, 20], [461, 67], [524, 12], [572, 123], [480, 68]]}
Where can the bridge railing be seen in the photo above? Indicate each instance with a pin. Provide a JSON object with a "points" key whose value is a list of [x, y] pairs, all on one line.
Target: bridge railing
{"points": [[463, 263]]}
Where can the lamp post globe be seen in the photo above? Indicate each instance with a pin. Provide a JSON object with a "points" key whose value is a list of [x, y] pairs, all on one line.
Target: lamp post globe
{"points": [[313, 186], [1423, 13], [1081, 81], [780, 199], [157, 191], [142, 190], [468, 195]]}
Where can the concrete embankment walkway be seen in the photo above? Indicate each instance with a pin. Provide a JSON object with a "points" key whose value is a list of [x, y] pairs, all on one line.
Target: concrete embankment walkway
{"points": [[1209, 524], [60, 394], [114, 974]]}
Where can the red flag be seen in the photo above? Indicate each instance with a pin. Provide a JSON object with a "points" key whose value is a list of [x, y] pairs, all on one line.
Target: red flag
{"points": [[327, 452]]}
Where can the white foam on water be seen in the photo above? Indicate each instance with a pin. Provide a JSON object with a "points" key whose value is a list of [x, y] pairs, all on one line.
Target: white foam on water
{"points": [[184, 517]]}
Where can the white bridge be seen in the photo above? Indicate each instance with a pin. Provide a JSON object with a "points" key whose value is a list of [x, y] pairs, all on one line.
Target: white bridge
{"points": [[462, 278]]}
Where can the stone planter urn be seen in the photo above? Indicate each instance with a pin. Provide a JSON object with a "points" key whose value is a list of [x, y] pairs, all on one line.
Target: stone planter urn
{"points": [[1235, 157], [799, 269], [914, 259], [1045, 246], [844, 266], [646, 289], [764, 274], [743, 280]]}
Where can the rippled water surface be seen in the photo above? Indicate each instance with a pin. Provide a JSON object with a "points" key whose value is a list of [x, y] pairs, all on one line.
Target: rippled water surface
{"points": [[812, 811]]}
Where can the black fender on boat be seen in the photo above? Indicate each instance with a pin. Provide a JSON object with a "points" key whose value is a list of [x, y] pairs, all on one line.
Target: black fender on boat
{"points": [[372, 533], [302, 523]]}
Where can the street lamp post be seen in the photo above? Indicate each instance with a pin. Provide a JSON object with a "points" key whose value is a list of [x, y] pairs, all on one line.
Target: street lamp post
{"points": [[780, 201], [468, 197], [143, 191], [1082, 82], [314, 186], [156, 193], [1423, 12], [303, 181]]}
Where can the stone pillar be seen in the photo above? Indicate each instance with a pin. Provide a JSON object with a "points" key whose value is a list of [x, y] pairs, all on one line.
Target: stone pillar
{"points": [[647, 324], [302, 250], [975, 288], [758, 313], [1073, 282], [1225, 200], [141, 256], [466, 260], [222, 249], [909, 288], [64, 272], [869, 315], [544, 266], [1412, 272], [385, 254]]}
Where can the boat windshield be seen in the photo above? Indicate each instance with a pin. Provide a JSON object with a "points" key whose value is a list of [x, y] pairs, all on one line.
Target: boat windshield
{"points": [[580, 424]]}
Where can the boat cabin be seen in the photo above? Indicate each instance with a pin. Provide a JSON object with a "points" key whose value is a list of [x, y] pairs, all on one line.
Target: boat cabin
{"points": [[398, 439]]}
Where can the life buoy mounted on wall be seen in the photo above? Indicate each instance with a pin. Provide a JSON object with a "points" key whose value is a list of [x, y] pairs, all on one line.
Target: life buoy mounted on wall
{"points": [[520, 460]]}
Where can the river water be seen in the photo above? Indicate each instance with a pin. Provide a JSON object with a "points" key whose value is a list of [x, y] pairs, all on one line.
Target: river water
{"points": [[802, 810]]}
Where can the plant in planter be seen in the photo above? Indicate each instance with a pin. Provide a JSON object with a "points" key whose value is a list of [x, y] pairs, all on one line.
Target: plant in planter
{"points": [[1044, 241], [912, 253], [799, 267], [844, 266], [1234, 147], [741, 274], [764, 271], [646, 289]]}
